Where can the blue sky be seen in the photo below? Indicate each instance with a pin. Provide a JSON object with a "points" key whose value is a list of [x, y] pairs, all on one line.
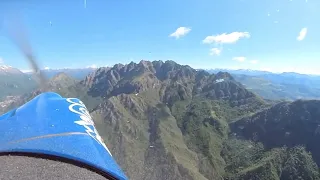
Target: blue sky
{"points": [[248, 34]]}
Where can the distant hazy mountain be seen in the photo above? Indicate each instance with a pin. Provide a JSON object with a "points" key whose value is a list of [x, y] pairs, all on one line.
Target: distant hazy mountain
{"points": [[77, 73], [285, 77], [239, 71], [14, 82], [269, 85], [8, 70]]}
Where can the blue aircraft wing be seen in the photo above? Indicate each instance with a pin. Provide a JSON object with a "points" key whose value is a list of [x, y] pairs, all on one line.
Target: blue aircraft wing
{"points": [[52, 125]]}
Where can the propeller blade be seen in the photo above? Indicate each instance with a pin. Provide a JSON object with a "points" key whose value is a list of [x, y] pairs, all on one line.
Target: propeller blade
{"points": [[17, 33]]}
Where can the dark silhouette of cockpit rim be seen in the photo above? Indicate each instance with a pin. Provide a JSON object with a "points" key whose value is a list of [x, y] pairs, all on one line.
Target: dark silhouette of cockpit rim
{"points": [[79, 164]]}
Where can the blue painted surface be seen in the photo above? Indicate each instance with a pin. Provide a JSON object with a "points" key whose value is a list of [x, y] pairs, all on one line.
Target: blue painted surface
{"points": [[53, 125]]}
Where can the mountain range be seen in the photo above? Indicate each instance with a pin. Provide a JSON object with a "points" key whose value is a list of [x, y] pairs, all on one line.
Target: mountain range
{"points": [[272, 86], [163, 120]]}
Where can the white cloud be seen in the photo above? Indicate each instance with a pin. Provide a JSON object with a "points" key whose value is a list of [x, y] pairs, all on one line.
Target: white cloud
{"points": [[240, 59], [92, 66], [302, 34], [46, 68], [226, 38], [253, 61], [181, 31], [215, 51]]}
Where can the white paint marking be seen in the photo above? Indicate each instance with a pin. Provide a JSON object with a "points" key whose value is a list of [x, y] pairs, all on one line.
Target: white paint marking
{"points": [[85, 120]]}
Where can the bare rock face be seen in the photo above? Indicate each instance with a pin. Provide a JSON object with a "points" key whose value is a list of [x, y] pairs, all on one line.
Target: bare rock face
{"points": [[176, 82]]}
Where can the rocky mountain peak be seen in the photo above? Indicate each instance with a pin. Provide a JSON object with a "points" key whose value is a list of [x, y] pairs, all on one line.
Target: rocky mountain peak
{"points": [[60, 77], [118, 66], [224, 75], [172, 80]]}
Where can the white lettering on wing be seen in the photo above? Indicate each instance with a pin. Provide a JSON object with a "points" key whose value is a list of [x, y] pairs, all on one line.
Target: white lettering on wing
{"points": [[85, 120]]}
